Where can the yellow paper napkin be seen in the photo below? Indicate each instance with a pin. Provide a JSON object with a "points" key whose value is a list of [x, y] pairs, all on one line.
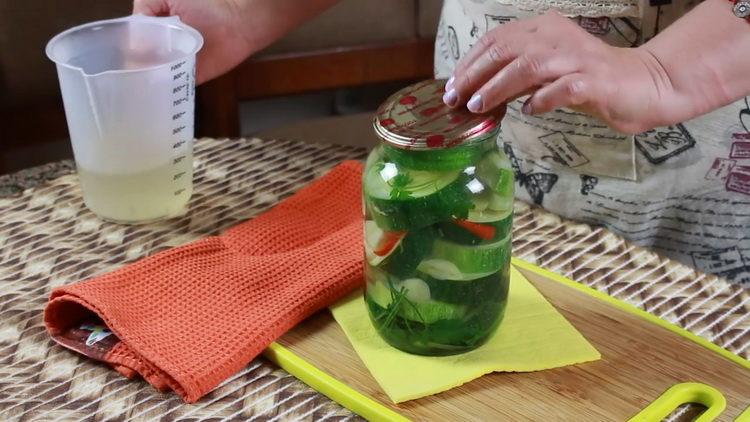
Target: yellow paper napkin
{"points": [[533, 336]]}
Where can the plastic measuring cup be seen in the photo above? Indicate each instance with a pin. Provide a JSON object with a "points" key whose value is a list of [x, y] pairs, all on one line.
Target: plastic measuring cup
{"points": [[128, 87]]}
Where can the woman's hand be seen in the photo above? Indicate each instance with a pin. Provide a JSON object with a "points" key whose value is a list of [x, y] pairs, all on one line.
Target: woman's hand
{"points": [[233, 29], [221, 22], [561, 65]]}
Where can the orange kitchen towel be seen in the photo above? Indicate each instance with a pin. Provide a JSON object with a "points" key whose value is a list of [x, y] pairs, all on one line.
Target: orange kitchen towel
{"points": [[187, 318]]}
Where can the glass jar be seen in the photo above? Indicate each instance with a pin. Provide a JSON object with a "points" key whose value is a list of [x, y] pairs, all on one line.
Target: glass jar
{"points": [[438, 202]]}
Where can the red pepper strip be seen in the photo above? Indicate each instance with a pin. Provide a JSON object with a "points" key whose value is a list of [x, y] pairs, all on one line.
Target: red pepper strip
{"points": [[387, 242], [482, 231]]}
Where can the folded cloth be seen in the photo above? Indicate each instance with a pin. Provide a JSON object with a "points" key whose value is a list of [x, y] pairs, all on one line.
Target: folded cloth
{"points": [[187, 318], [533, 336]]}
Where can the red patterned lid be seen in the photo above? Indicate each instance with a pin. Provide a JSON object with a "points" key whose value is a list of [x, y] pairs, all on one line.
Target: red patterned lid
{"points": [[416, 118]]}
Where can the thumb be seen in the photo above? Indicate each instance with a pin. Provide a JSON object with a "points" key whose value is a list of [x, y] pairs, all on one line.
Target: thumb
{"points": [[151, 7]]}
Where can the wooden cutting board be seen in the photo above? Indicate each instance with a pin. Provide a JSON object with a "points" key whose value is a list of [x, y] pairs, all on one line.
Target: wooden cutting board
{"points": [[640, 361]]}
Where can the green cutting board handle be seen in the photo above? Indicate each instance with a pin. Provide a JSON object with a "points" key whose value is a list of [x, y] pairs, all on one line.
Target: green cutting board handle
{"points": [[679, 394], [744, 416]]}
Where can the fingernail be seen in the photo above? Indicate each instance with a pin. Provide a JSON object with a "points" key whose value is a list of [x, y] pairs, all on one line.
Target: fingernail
{"points": [[449, 84], [526, 108], [475, 103], [450, 97]]}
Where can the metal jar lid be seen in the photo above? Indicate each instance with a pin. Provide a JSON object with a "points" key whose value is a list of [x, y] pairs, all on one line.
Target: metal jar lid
{"points": [[416, 118]]}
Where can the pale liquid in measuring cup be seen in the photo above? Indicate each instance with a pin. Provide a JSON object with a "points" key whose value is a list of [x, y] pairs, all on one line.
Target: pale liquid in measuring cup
{"points": [[140, 196], [144, 196]]}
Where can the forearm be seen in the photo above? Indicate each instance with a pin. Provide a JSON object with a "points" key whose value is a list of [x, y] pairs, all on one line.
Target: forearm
{"points": [[265, 21], [705, 59]]}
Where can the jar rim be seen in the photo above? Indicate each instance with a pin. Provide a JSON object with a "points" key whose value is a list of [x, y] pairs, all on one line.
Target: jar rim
{"points": [[416, 118]]}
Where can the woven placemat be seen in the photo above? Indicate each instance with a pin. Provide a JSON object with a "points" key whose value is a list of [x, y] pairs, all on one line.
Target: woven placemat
{"points": [[48, 238]]}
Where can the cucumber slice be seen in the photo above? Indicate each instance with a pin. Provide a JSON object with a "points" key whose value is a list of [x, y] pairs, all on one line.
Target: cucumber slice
{"points": [[496, 172], [377, 288], [380, 244], [446, 270], [410, 252], [481, 202], [398, 252], [504, 228], [499, 202], [488, 215], [489, 206], [455, 158], [400, 199], [454, 233], [431, 312], [375, 155], [415, 304], [491, 288], [469, 260], [386, 180]]}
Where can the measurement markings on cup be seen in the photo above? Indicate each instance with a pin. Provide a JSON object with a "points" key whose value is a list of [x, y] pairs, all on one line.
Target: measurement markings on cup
{"points": [[182, 130]]}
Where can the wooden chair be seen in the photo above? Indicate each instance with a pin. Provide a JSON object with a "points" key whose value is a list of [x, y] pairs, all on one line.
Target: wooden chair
{"points": [[296, 73]]}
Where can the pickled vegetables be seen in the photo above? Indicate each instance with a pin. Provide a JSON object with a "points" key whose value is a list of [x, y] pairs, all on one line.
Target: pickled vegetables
{"points": [[401, 200], [437, 243], [457, 158]]}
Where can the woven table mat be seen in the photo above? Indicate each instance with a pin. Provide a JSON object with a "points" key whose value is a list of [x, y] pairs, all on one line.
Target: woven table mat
{"points": [[48, 238]]}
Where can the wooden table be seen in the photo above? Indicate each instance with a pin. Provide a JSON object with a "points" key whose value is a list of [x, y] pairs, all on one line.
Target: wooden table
{"points": [[48, 238]]}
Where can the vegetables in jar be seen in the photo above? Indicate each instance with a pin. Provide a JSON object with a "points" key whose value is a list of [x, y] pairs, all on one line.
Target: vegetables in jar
{"points": [[438, 196]]}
